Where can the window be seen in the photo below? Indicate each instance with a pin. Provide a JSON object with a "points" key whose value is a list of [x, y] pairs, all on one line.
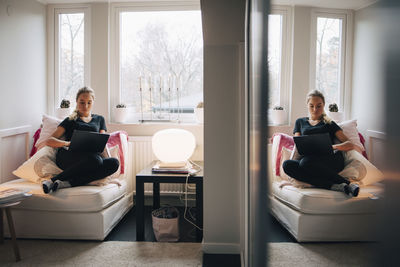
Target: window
{"points": [[71, 57], [279, 56], [274, 57], [329, 50], [158, 61]]}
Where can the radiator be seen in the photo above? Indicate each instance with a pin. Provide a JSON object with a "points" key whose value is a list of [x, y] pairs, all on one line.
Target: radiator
{"points": [[141, 155]]}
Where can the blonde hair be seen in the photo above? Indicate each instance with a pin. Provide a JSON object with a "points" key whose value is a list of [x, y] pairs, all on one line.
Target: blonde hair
{"points": [[75, 114], [316, 93]]}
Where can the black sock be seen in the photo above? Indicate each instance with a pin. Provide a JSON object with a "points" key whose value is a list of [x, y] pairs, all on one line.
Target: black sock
{"points": [[343, 187], [47, 186], [354, 189], [61, 184]]}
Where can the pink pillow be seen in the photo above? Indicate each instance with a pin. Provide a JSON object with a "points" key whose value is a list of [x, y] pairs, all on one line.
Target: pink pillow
{"points": [[116, 139], [362, 140], [283, 140], [35, 138]]}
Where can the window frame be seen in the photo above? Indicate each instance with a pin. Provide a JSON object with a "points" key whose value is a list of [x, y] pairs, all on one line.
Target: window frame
{"points": [[286, 55], [345, 56], [54, 96], [115, 10]]}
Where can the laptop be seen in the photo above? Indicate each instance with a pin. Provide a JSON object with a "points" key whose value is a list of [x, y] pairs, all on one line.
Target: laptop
{"points": [[314, 145], [85, 141]]}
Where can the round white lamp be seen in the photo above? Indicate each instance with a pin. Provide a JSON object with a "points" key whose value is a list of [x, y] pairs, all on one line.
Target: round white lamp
{"points": [[173, 145]]}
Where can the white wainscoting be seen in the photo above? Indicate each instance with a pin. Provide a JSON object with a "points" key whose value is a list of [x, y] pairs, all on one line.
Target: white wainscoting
{"points": [[14, 150], [376, 148]]}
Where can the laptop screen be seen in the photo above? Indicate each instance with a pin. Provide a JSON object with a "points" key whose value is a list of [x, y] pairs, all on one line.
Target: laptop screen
{"points": [[314, 145], [88, 141]]}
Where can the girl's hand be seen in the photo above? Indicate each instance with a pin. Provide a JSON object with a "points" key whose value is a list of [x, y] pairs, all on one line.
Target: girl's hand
{"points": [[336, 147], [345, 146]]}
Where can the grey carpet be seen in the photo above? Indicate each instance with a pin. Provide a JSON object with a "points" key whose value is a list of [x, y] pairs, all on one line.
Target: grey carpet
{"points": [[114, 253], [111, 253], [321, 254]]}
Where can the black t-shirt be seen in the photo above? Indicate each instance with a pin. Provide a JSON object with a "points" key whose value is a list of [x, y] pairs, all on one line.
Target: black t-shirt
{"points": [[305, 128], [95, 125]]}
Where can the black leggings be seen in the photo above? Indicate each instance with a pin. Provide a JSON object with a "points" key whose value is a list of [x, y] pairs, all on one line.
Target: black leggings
{"points": [[80, 168], [318, 171]]}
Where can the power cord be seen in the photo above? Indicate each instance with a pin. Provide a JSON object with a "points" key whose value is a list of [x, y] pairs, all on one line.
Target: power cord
{"points": [[186, 197]]}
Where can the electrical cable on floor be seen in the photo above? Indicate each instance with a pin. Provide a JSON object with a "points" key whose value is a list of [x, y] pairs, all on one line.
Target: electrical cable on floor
{"points": [[191, 215], [186, 198]]}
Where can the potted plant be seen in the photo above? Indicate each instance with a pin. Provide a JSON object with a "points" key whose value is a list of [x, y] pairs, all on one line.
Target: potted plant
{"points": [[120, 113], [278, 115], [334, 113], [199, 112], [64, 110]]}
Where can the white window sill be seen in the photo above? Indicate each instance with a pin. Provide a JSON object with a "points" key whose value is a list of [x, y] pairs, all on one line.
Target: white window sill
{"points": [[154, 123], [279, 125], [150, 128]]}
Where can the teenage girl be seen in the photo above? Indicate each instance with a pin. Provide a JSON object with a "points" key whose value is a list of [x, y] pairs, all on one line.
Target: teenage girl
{"points": [[320, 171], [79, 168]]}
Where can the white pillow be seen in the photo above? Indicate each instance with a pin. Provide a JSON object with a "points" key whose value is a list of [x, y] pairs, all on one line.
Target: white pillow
{"points": [[350, 130], [49, 125], [40, 166], [354, 171], [367, 173]]}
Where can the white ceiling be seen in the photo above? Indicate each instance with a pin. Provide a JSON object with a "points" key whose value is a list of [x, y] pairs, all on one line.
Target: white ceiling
{"points": [[342, 4]]}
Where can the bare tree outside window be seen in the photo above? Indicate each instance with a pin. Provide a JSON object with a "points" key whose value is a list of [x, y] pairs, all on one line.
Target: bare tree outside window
{"points": [[71, 53], [328, 58], [162, 51], [274, 58]]}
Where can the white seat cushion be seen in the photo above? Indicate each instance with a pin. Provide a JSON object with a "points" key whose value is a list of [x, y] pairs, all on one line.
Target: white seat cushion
{"points": [[74, 199], [322, 201]]}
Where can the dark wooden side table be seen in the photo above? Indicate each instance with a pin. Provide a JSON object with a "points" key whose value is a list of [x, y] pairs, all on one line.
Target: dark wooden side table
{"points": [[147, 176], [7, 208]]}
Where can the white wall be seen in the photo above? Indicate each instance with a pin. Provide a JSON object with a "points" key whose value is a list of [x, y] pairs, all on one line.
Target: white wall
{"points": [[22, 63], [222, 37], [99, 57], [368, 89], [300, 85]]}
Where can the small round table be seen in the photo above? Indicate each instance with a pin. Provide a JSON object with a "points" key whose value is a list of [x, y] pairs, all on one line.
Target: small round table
{"points": [[7, 208]]}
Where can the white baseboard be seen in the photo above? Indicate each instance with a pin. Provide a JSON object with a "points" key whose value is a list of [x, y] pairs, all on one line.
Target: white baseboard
{"points": [[221, 248]]}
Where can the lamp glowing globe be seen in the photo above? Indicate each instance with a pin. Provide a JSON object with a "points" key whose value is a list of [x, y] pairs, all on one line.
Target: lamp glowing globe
{"points": [[173, 145]]}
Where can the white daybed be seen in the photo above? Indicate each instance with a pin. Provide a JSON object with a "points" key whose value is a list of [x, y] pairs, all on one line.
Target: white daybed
{"points": [[84, 212], [319, 215]]}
